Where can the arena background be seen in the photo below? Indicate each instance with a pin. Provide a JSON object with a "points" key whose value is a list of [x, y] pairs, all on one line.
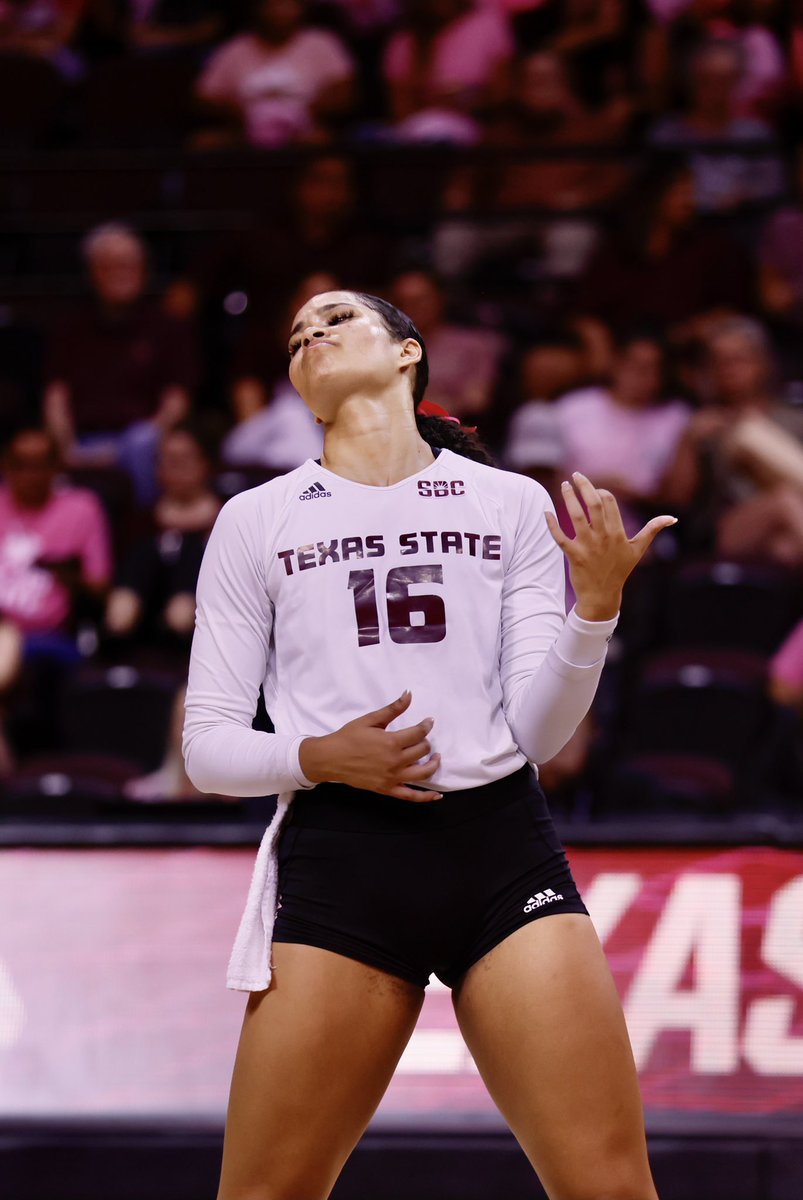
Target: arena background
{"points": [[593, 210]]}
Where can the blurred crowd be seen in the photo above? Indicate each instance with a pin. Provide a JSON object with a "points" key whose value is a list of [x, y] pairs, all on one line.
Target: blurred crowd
{"points": [[684, 72], [608, 275]]}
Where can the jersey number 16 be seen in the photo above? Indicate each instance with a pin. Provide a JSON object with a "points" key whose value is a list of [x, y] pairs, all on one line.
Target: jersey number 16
{"points": [[411, 618]]}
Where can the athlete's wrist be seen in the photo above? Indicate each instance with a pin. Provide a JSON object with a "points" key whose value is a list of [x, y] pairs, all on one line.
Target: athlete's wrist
{"points": [[312, 758], [598, 608]]}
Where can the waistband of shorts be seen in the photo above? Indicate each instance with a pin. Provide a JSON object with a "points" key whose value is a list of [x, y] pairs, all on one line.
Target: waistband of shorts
{"points": [[337, 806]]}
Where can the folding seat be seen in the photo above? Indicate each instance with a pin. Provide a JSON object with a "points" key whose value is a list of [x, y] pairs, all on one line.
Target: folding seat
{"points": [[693, 735], [722, 603], [64, 786], [119, 710]]}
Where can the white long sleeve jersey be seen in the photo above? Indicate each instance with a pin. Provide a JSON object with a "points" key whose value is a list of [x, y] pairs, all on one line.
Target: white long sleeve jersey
{"points": [[335, 596]]}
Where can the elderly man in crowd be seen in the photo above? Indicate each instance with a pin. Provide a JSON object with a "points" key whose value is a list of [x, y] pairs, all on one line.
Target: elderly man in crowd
{"points": [[120, 371]]}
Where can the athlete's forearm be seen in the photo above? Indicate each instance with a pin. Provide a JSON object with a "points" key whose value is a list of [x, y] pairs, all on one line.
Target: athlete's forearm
{"points": [[547, 708], [231, 760]]}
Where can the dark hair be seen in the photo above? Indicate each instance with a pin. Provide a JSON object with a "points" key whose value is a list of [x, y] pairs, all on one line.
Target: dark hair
{"points": [[436, 432]]}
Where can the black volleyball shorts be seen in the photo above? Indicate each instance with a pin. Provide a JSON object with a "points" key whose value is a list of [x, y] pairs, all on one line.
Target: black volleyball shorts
{"points": [[419, 889]]}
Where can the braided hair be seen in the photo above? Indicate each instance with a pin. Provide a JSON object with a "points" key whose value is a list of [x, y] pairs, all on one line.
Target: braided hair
{"points": [[436, 432]]}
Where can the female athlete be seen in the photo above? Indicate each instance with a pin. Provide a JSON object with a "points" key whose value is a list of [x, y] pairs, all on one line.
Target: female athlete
{"points": [[402, 604]]}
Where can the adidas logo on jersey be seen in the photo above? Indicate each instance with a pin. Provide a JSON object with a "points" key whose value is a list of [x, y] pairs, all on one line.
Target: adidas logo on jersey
{"points": [[540, 899], [316, 491]]}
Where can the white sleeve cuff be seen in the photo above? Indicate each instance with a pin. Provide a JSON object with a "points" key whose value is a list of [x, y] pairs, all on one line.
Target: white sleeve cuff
{"points": [[583, 643], [294, 764]]}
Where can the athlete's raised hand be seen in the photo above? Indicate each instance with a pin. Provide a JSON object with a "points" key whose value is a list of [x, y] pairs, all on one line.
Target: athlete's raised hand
{"points": [[365, 754], [601, 555]]}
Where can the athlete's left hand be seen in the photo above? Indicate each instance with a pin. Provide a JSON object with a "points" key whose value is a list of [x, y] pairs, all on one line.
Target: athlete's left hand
{"points": [[601, 555]]}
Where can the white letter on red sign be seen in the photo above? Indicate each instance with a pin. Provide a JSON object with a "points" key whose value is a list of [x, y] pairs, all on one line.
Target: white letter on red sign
{"points": [[769, 1047], [608, 897], [700, 925]]}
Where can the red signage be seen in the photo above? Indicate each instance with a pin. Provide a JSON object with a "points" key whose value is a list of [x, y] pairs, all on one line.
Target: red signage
{"points": [[112, 995]]}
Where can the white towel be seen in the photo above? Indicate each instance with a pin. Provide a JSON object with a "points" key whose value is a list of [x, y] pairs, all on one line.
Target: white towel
{"points": [[250, 962]]}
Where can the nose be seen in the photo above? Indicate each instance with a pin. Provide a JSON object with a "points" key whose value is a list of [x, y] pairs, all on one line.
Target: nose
{"points": [[314, 331]]}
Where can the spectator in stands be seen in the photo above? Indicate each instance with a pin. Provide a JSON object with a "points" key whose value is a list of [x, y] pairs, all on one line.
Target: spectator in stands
{"points": [[623, 436], [321, 228], [281, 82], [781, 258], [544, 112], [534, 440], [154, 591], [739, 466], [603, 42], [722, 182], [274, 427], [463, 361], [120, 371], [43, 29], [750, 25], [663, 264], [54, 543], [446, 68], [154, 594], [55, 561], [55, 564]]}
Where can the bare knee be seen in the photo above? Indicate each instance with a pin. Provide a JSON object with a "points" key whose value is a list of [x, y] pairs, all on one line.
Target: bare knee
{"points": [[626, 1181]]}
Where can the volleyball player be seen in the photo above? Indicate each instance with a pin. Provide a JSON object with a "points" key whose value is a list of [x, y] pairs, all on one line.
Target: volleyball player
{"points": [[402, 604]]}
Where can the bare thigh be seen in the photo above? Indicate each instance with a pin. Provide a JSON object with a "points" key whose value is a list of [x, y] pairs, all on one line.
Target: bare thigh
{"points": [[541, 1015], [316, 1053]]}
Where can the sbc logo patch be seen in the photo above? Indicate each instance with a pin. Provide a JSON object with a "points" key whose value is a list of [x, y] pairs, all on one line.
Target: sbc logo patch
{"points": [[441, 487]]}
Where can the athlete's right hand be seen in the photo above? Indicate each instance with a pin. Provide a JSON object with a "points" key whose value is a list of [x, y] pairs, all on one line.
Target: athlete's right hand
{"points": [[364, 754]]}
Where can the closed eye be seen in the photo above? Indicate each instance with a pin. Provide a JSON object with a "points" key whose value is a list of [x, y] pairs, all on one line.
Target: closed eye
{"points": [[336, 318]]}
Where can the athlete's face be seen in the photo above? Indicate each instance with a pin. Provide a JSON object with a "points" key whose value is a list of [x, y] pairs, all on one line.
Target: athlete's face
{"points": [[339, 348]]}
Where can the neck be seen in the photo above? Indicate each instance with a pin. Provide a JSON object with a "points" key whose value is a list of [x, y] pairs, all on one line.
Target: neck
{"points": [[624, 400], [375, 440]]}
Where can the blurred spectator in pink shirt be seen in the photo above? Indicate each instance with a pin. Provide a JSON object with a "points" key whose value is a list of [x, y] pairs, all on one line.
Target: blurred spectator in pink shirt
{"points": [[445, 68], [54, 541], [281, 82], [622, 436], [120, 371], [463, 361]]}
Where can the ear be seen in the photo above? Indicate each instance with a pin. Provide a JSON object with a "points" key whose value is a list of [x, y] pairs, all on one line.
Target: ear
{"points": [[411, 352]]}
